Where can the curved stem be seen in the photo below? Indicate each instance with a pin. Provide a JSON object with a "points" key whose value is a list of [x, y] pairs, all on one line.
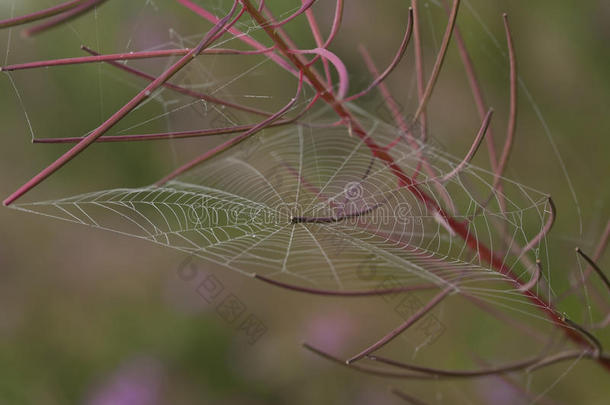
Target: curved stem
{"points": [[399, 54], [473, 148], [41, 14], [63, 18], [512, 119], [400, 329], [595, 267], [439, 59], [338, 293]]}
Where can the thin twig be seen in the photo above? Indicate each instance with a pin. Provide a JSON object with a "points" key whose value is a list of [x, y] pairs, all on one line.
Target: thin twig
{"points": [[534, 279], [595, 267], [401, 328], [41, 14], [338, 293], [164, 135], [406, 397], [512, 119], [397, 57], [473, 148], [439, 59], [63, 18], [419, 69]]}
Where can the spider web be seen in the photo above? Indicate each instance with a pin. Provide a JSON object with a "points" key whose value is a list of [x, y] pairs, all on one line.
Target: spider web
{"points": [[311, 206]]}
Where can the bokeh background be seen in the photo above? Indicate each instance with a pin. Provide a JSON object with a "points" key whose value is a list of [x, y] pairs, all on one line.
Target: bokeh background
{"points": [[90, 317]]}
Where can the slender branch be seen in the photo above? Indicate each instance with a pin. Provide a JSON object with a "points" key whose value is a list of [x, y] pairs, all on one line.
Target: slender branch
{"points": [[123, 111], [534, 279], [399, 54], [565, 356], [63, 18], [79, 60], [473, 148], [401, 328], [317, 36], [365, 369], [512, 120], [599, 250], [440, 373], [164, 135], [306, 5], [595, 267], [406, 397], [338, 293], [545, 229], [419, 69], [333, 32], [41, 14], [439, 59], [337, 63]]}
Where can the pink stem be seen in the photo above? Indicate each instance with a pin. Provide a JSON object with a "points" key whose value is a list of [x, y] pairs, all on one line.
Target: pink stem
{"points": [[41, 14], [399, 54], [162, 136], [401, 328], [127, 56], [63, 18], [473, 148]]}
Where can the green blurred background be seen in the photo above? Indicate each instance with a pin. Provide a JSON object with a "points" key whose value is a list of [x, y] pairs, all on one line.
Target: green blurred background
{"points": [[88, 316]]}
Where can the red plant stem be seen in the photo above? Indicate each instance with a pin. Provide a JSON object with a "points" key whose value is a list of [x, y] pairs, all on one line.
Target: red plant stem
{"points": [[595, 267], [459, 228], [439, 60], [419, 69], [41, 14], [401, 328], [599, 250], [127, 56], [306, 5], [317, 36], [473, 148], [365, 369], [333, 32], [63, 18], [183, 90], [338, 293], [477, 94], [406, 397], [533, 363], [512, 119], [165, 135], [393, 64], [123, 111], [535, 277]]}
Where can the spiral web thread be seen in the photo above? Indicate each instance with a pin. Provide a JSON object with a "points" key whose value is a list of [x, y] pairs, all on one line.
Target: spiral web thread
{"points": [[311, 207]]}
